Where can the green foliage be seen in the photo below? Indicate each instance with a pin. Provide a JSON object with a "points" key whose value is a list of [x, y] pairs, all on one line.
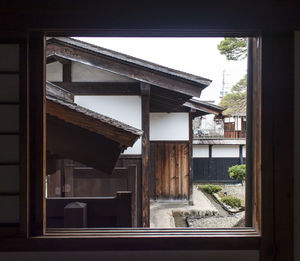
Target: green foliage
{"points": [[240, 86], [209, 188], [232, 201], [233, 48], [237, 172], [236, 101]]}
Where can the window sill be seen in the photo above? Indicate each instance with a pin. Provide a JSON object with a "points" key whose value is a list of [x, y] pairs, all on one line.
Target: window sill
{"points": [[136, 239]]}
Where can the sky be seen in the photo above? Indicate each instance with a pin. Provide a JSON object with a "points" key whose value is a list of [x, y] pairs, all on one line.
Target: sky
{"points": [[198, 56]]}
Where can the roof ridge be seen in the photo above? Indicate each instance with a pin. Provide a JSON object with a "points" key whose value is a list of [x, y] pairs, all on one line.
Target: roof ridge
{"points": [[132, 59]]}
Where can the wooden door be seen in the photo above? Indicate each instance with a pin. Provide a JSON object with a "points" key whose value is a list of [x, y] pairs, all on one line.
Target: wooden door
{"points": [[170, 170]]}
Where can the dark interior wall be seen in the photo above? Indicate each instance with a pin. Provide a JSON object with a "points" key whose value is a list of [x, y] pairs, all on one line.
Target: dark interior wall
{"points": [[210, 16]]}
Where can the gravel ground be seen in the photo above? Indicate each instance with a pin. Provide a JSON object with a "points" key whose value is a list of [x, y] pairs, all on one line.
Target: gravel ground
{"points": [[236, 190], [222, 221], [161, 212], [216, 222]]}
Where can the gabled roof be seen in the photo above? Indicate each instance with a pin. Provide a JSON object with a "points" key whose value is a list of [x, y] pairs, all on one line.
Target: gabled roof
{"points": [[60, 105], [125, 65], [203, 107], [171, 90], [74, 132]]}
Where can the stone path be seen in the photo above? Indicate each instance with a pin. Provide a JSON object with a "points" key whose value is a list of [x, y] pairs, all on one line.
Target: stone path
{"points": [[161, 212]]}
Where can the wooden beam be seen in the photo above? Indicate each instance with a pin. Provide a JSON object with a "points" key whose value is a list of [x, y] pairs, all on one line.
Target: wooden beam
{"points": [[101, 88], [24, 141], [145, 92], [54, 58], [190, 156], [139, 73], [67, 72], [59, 93], [37, 132]]}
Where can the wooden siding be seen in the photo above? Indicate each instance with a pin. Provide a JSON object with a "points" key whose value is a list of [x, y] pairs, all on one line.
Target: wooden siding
{"points": [[213, 169], [126, 161], [230, 132], [169, 170], [72, 179], [10, 134]]}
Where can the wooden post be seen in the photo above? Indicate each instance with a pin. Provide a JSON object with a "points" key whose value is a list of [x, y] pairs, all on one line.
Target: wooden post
{"points": [[67, 72], [69, 180], [75, 215], [37, 132], [190, 196], [132, 186], [145, 93], [241, 154]]}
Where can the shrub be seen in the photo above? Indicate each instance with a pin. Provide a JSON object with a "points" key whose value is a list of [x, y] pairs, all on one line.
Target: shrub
{"points": [[231, 201], [237, 172], [209, 188]]}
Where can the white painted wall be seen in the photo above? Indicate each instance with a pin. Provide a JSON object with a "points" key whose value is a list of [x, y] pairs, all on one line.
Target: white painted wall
{"points": [[54, 72], [225, 151], [127, 109], [244, 151], [169, 126], [200, 151], [82, 72]]}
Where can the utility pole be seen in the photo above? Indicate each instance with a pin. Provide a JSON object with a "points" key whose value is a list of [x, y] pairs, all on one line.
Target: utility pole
{"points": [[224, 91]]}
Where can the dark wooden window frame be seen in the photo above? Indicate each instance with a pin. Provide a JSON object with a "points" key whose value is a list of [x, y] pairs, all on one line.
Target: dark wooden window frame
{"points": [[272, 221]]}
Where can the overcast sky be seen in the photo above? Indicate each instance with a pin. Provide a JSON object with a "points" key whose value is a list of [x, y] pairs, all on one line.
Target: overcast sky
{"points": [[198, 56]]}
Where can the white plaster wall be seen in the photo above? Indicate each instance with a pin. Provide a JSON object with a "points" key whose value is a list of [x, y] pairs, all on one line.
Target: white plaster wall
{"points": [[244, 151], [225, 151], [54, 72], [82, 72], [200, 151], [297, 150], [127, 109], [169, 126]]}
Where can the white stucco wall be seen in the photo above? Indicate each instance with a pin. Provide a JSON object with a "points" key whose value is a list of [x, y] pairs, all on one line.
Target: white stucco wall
{"points": [[54, 72], [200, 151], [169, 126], [244, 151], [82, 72], [127, 109], [225, 151]]}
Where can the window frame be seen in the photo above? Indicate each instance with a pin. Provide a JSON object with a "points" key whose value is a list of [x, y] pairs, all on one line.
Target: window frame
{"points": [[39, 227], [262, 236]]}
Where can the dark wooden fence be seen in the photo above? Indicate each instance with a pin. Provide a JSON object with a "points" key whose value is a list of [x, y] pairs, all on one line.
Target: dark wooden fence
{"points": [[213, 169], [101, 211], [89, 182]]}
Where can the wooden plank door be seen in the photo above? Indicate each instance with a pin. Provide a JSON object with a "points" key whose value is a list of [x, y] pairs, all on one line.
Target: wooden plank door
{"points": [[171, 170]]}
